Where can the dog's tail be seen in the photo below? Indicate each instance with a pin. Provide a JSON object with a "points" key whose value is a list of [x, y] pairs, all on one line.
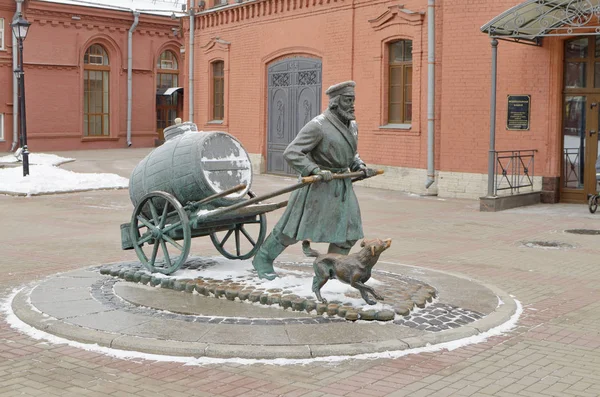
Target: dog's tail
{"points": [[309, 251]]}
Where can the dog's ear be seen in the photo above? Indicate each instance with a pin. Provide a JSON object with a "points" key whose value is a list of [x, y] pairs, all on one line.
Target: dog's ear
{"points": [[362, 243], [372, 250]]}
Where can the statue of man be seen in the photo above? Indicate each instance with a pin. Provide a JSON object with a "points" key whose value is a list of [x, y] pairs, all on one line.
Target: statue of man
{"points": [[326, 211]]}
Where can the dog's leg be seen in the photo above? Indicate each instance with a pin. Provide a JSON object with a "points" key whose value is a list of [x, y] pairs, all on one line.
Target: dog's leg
{"points": [[319, 282], [363, 288], [364, 295], [371, 290]]}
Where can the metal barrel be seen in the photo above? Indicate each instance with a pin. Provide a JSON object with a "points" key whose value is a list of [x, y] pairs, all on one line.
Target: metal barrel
{"points": [[192, 166]]}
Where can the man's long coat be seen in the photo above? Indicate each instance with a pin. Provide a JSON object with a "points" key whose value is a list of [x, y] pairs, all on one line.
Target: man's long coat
{"points": [[326, 212]]}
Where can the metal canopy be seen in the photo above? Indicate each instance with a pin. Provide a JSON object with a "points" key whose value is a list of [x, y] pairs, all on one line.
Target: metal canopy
{"points": [[534, 19], [169, 91]]}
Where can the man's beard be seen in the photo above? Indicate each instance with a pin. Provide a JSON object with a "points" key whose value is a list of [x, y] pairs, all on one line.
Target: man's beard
{"points": [[345, 115]]}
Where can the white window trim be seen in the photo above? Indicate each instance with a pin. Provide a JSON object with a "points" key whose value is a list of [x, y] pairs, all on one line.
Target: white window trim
{"points": [[1, 127], [2, 30]]}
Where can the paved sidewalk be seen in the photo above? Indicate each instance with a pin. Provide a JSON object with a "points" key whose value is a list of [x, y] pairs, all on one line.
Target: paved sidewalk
{"points": [[554, 351]]}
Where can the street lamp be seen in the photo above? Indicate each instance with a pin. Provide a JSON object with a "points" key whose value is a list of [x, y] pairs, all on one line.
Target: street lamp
{"points": [[20, 26]]}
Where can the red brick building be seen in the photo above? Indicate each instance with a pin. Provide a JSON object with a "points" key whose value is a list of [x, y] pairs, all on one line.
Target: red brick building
{"points": [[76, 75], [262, 67]]}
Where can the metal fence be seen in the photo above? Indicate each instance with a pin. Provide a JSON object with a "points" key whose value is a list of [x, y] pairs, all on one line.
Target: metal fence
{"points": [[514, 170]]}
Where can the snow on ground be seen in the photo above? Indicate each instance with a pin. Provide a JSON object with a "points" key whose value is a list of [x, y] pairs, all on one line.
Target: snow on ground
{"points": [[45, 178], [36, 158], [297, 282]]}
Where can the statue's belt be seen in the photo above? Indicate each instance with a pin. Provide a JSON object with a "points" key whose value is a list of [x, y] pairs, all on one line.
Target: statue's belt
{"points": [[335, 170], [339, 186]]}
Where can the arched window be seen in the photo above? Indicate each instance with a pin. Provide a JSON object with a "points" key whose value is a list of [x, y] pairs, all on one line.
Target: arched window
{"points": [[218, 90], [167, 101], [96, 72], [400, 82]]}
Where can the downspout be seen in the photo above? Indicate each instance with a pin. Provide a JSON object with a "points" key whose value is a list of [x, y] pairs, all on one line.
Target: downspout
{"points": [[430, 93], [15, 63], [190, 94], [136, 16], [492, 151]]}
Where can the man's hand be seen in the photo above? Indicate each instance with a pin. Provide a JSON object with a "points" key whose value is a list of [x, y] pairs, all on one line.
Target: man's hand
{"points": [[325, 175], [369, 172]]}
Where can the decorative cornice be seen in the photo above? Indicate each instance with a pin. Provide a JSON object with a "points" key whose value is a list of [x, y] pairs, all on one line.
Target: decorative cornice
{"points": [[216, 43], [101, 22], [246, 10], [140, 71], [52, 66], [397, 15]]}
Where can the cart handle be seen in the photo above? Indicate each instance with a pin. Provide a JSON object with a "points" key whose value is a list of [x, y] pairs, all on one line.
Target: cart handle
{"points": [[288, 189], [357, 174], [196, 204]]}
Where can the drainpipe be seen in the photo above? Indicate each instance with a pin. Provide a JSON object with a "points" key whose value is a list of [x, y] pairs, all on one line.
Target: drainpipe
{"points": [[136, 16], [492, 151], [15, 63], [430, 92], [191, 65]]}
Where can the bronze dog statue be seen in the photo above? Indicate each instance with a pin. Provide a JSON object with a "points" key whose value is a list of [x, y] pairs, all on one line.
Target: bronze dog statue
{"points": [[354, 269]]}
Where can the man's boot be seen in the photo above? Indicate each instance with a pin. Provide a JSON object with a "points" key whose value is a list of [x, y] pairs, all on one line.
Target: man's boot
{"points": [[263, 260], [342, 249]]}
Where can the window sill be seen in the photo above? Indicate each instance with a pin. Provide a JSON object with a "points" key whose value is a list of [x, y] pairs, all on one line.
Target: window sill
{"points": [[98, 138], [215, 122], [405, 127]]}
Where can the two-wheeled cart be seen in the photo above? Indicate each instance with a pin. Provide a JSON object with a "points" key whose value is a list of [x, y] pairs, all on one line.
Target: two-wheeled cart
{"points": [[197, 184]]}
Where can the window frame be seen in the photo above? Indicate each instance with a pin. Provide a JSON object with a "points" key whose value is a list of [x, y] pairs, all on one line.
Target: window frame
{"points": [[217, 107], [405, 66], [104, 69], [165, 106], [2, 29], [2, 127]]}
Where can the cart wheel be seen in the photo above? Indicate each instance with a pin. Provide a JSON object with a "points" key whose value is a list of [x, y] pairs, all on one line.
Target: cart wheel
{"points": [[167, 219], [593, 203], [248, 237]]}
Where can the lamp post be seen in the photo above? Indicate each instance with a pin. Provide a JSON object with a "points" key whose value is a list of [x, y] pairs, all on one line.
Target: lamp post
{"points": [[20, 26]]}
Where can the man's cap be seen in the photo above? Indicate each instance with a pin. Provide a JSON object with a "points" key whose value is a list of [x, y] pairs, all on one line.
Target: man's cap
{"points": [[345, 88]]}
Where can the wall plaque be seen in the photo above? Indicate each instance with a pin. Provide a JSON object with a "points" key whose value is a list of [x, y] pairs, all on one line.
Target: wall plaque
{"points": [[519, 107]]}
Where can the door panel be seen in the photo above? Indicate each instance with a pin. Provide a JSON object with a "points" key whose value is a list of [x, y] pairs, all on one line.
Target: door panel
{"points": [[580, 147], [581, 88], [294, 89]]}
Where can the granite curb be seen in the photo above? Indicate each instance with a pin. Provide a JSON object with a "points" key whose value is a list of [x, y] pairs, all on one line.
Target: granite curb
{"points": [[26, 312]]}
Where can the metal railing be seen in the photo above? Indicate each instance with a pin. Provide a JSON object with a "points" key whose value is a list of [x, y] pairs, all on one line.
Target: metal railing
{"points": [[514, 170]]}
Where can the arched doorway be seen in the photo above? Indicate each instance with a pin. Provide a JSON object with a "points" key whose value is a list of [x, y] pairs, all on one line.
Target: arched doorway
{"points": [[294, 89]]}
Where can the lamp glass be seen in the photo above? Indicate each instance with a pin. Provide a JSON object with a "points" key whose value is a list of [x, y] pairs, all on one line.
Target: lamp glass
{"points": [[20, 26]]}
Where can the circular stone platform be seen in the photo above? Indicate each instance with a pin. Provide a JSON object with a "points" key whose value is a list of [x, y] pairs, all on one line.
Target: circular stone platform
{"points": [[214, 309]]}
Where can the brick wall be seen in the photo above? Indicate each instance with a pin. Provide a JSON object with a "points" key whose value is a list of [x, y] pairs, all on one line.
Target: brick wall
{"points": [[53, 58]]}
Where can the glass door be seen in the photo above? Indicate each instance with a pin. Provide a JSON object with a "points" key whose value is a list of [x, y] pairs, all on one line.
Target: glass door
{"points": [[580, 118], [580, 147]]}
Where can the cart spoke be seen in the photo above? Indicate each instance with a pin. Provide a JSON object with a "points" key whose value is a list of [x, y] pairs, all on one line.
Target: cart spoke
{"points": [[144, 239], [171, 227], [222, 242], [145, 222], [237, 239], [165, 213], [248, 237], [166, 253], [153, 257], [153, 211], [173, 242]]}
